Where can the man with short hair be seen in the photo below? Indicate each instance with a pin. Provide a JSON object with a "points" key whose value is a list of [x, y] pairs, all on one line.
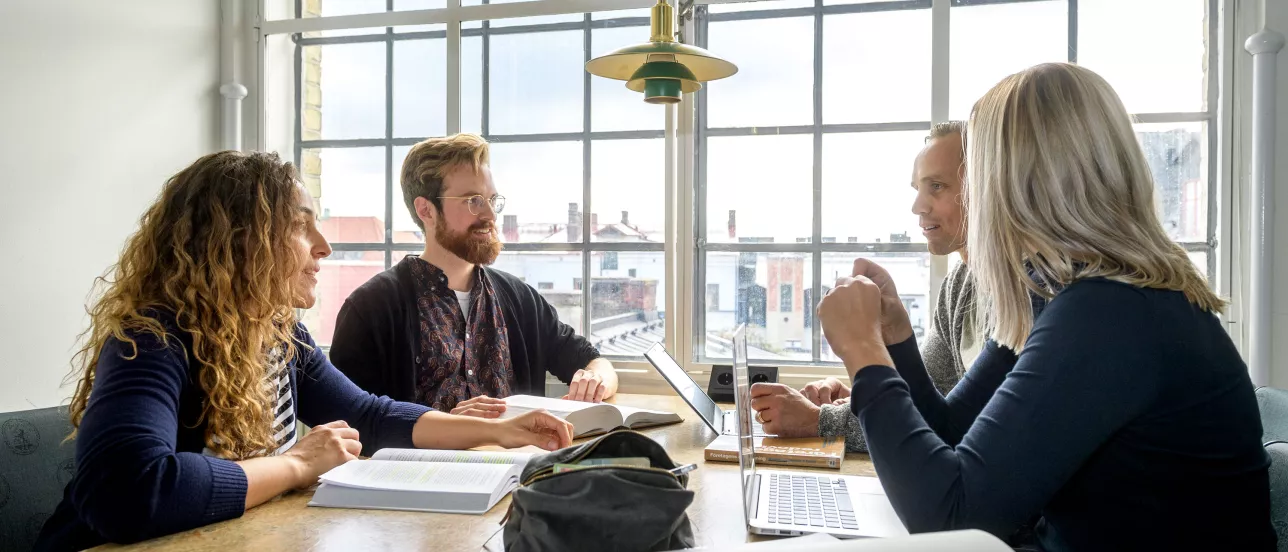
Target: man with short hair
{"points": [[443, 329], [952, 343]]}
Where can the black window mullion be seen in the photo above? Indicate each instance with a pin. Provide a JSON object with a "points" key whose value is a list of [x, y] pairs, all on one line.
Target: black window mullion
{"points": [[1073, 31], [389, 136], [586, 285], [699, 338], [487, 61], [816, 340]]}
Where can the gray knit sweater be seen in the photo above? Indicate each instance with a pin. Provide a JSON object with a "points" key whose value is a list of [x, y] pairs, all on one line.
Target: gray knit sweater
{"points": [[951, 332]]}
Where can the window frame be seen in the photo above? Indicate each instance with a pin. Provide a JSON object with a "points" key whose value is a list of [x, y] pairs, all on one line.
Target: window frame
{"points": [[686, 137], [393, 251], [940, 26]]}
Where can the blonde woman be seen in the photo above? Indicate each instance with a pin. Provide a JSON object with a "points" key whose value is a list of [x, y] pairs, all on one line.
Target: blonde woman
{"points": [[195, 369], [1128, 421]]}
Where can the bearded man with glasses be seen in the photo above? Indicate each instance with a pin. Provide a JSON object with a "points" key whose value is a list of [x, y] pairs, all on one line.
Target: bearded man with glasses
{"points": [[445, 330]]}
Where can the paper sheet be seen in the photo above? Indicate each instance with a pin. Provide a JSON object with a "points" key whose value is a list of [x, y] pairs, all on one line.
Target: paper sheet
{"points": [[417, 476]]}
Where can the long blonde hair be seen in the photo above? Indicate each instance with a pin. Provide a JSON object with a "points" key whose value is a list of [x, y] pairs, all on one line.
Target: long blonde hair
{"points": [[1058, 191], [215, 252]]}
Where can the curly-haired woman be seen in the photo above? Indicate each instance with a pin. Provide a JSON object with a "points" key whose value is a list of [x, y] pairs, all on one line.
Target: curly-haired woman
{"points": [[194, 368]]}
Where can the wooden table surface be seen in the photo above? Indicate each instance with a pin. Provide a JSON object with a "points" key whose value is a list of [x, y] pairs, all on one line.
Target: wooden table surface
{"points": [[287, 523]]}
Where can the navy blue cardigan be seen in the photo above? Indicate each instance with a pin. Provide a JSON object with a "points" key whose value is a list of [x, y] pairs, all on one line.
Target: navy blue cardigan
{"points": [[1127, 423], [139, 468]]}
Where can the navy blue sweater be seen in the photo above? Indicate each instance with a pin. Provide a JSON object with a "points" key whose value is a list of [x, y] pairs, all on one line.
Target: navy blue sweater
{"points": [[1127, 423], [139, 468]]}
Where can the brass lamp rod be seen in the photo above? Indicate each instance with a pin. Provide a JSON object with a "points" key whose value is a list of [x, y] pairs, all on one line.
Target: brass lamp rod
{"points": [[663, 22]]}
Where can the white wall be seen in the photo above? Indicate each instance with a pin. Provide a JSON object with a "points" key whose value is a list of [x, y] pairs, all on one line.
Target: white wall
{"points": [[101, 102]]}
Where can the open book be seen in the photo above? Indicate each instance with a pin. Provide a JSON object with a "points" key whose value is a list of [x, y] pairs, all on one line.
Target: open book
{"points": [[453, 481], [590, 418]]}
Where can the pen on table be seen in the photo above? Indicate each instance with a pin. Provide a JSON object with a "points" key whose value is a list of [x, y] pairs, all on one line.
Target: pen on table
{"points": [[681, 470]]}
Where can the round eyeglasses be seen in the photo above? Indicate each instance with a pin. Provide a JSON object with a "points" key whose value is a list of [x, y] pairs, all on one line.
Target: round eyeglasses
{"points": [[475, 202]]}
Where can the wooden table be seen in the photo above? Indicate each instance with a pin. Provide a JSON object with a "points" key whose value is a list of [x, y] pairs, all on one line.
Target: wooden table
{"points": [[287, 523]]}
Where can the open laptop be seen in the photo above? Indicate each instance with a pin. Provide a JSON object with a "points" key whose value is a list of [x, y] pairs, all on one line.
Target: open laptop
{"points": [[723, 422], [791, 503]]}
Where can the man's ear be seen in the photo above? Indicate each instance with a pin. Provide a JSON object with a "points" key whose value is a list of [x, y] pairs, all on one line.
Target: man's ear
{"points": [[426, 211]]}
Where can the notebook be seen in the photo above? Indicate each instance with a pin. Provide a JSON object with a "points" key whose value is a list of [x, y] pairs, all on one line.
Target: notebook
{"points": [[451, 481], [809, 452], [590, 418]]}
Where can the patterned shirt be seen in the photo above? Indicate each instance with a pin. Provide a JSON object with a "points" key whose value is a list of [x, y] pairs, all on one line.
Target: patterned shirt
{"points": [[278, 383], [457, 356]]}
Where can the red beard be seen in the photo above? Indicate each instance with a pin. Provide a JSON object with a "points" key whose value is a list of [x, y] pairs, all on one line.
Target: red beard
{"points": [[466, 246]]}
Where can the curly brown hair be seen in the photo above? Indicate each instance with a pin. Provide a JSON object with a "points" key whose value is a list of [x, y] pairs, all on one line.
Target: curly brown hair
{"points": [[215, 251]]}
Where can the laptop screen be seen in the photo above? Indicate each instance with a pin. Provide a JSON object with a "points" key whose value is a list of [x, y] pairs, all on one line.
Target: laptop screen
{"points": [[742, 402], [686, 387]]}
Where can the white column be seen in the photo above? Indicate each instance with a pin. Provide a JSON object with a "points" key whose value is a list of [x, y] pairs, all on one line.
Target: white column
{"points": [[1264, 47], [232, 91]]}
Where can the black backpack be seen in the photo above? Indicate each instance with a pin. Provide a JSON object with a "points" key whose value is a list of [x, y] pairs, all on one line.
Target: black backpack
{"points": [[601, 507]]}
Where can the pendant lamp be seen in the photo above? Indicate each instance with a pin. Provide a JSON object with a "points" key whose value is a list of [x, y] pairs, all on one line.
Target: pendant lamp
{"points": [[661, 68]]}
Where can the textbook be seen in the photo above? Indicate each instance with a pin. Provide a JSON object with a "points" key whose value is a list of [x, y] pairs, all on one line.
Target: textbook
{"points": [[452, 481], [809, 452], [590, 418]]}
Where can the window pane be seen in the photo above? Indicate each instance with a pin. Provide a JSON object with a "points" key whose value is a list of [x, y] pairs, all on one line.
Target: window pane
{"points": [[472, 84], [405, 228], [407, 5], [341, 273], [748, 287], [514, 21], [861, 49], [625, 303], [349, 184], [331, 8], [990, 42], [760, 5], [618, 14], [867, 197], [911, 275], [612, 106], [1200, 260], [350, 80], [769, 201], [554, 274], [627, 190], [838, 2], [536, 83], [1178, 157], [420, 91], [542, 184], [1156, 67], [775, 80]]}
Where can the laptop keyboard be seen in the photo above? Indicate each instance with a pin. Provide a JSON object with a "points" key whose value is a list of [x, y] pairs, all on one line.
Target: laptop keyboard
{"points": [[811, 502]]}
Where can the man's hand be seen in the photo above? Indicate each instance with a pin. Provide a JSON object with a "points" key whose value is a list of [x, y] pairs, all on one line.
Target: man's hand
{"points": [[480, 407], [783, 411], [586, 386], [826, 391]]}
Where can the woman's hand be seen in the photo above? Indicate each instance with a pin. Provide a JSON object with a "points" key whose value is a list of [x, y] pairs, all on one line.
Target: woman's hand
{"points": [[851, 317], [538, 428], [324, 447], [895, 327]]}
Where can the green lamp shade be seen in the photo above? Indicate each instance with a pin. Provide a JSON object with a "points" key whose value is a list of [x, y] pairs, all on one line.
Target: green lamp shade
{"points": [[663, 81]]}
